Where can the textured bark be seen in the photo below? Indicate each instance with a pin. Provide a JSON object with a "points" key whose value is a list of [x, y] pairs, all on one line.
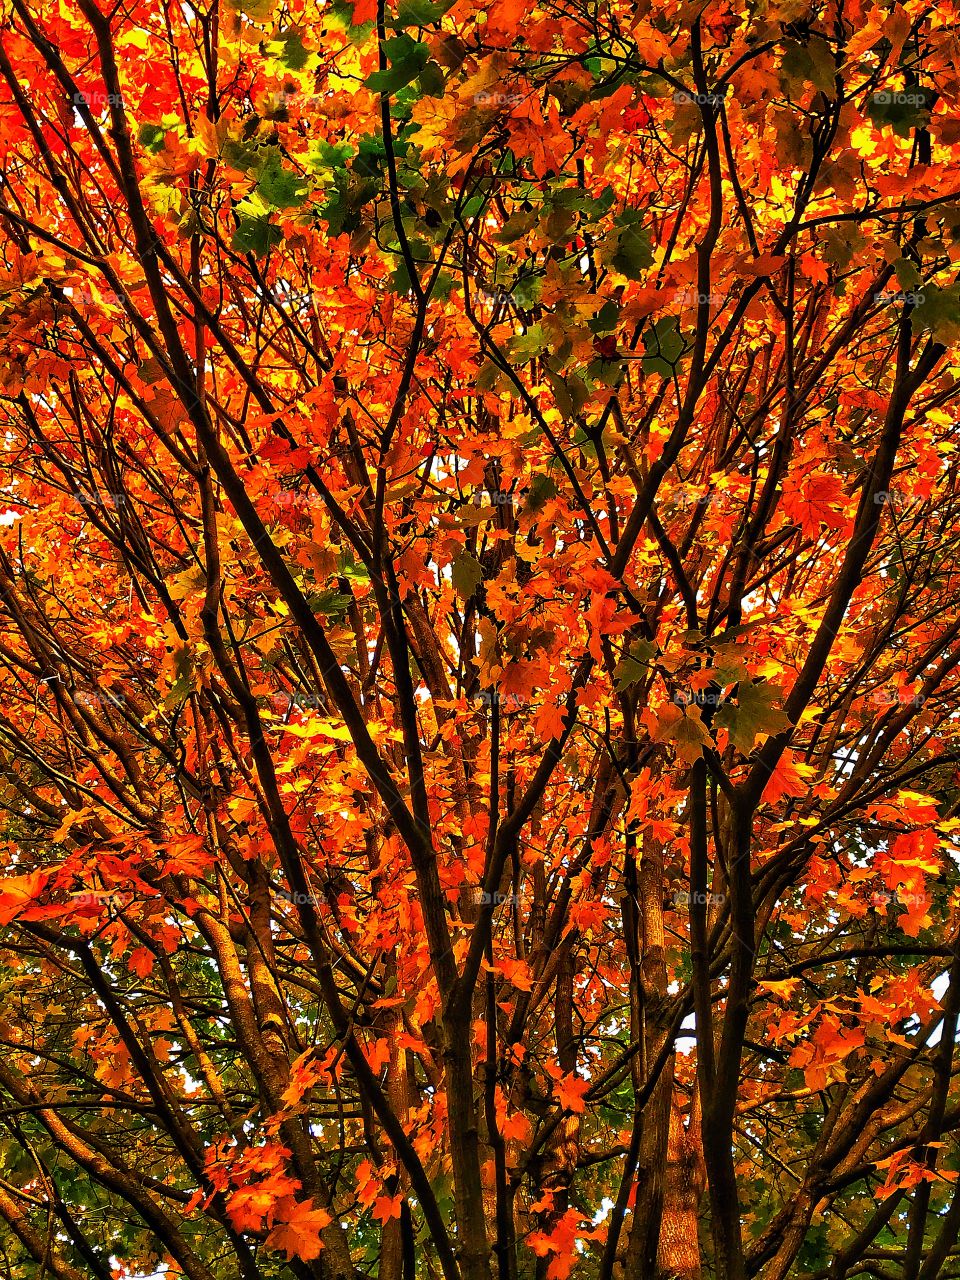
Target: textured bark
{"points": [[398, 1092], [679, 1253], [650, 1018]]}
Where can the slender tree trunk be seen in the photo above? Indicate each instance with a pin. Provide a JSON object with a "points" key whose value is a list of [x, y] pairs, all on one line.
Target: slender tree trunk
{"points": [[649, 1024], [678, 1257]]}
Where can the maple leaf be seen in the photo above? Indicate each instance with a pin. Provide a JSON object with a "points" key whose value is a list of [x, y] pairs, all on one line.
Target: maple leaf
{"points": [[753, 715], [550, 720], [540, 1243], [813, 501], [368, 1185], [916, 916], [569, 1090], [788, 778], [535, 137], [784, 988], [560, 1242], [18, 893], [251, 1206], [516, 972], [683, 727], [387, 1207], [141, 961], [305, 1072], [516, 1127], [378, 1054], [814, 268], [298, 1229]]}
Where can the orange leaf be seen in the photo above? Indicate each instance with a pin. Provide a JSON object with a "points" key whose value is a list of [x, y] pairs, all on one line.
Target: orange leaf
{"points": [[387, 1207], [18, 892], [299, 1234]]}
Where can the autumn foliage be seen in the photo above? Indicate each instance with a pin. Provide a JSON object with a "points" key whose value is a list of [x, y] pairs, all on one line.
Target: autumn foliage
{"points": [[479, 640]]}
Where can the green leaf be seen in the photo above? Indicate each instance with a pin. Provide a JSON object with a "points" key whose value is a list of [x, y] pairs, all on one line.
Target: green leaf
{"points": [[330, 603], [279, 186], [541, 490], [571, 393], [805, 64], [607, 372], [525, 347], [371, 156], [419, 13], [256, 235], [288, 48], [903, 110], [407, 59], [491, 377], [729, 664], [243, 156], [841, 243], [151, 136], [635, 664], [754, 714], [329, 157], [517, 225], [606, 319], [526, 290], [444, 286], [634, 253], [432, 80], [939, 312], [257, 10], [399, 280], [558, 224], [664, 345], [352, 569], [467, 574], [183, 678], [908, 277]]}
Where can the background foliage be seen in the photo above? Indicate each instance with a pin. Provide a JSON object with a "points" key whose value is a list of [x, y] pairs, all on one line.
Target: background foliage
{"points": [[478, 640]]}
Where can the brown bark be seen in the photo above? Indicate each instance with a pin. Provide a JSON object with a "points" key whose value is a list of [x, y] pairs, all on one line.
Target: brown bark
{"points": [[679, 1253]]}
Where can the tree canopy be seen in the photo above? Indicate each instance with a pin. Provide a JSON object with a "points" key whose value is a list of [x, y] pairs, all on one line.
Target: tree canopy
{"points": [[479, 640]]}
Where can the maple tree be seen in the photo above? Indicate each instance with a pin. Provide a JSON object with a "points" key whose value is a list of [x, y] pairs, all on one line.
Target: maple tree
{"points": [[479, 640]]}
